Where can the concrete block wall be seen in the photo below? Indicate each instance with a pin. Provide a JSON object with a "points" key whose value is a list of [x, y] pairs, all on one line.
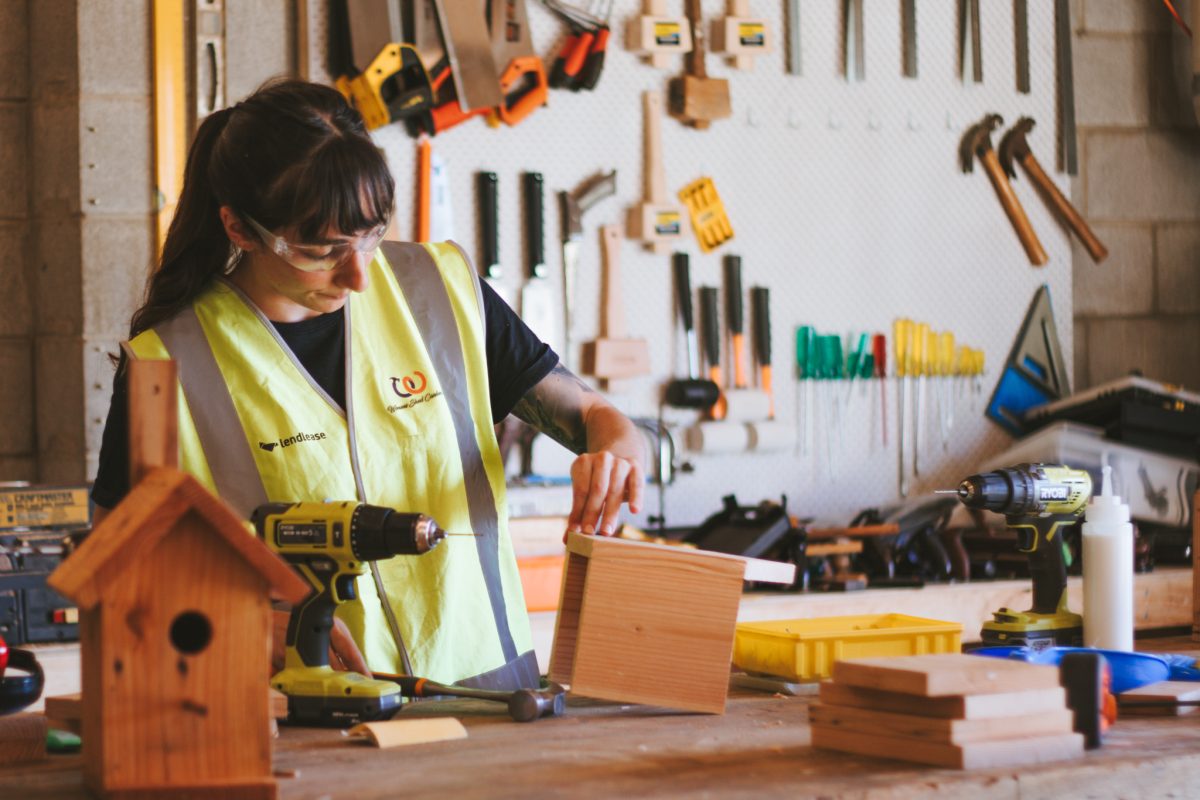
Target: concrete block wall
{"points": [[77, 201], [1139, 187]]}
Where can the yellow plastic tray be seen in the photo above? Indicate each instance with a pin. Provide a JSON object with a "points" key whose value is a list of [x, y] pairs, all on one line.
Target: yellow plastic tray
{"points": [[805, 649]]}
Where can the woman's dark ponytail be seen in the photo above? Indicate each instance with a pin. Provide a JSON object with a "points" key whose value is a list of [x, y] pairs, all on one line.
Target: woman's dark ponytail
{"points": [[196, 249]]}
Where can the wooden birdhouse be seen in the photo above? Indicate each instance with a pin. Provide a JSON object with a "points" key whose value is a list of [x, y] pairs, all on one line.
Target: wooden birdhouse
{"points": [[650, 623], [175, 627]]}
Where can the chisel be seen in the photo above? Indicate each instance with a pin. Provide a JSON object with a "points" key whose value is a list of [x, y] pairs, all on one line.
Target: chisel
{"points": [[908, 21], [694, 392]]}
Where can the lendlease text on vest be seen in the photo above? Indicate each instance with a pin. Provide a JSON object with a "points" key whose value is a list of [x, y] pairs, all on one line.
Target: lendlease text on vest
{"points": [[296, 438]]}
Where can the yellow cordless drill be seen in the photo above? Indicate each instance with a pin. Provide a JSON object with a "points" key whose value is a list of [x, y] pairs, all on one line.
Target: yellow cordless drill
{"points": [[329, 545], [1039, 501]]}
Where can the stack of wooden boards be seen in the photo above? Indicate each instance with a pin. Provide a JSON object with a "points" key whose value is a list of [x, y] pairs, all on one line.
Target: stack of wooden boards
{"points": [[949, 710]]}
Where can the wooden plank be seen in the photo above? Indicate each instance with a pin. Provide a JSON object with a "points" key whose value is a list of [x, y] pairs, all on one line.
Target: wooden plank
{"points": [[399, 732], [944, 674], [945, 731], [1162, 692], [566, 631], [977, 755], [22, 738], [978, 706], [756, 569], [153, 417]]}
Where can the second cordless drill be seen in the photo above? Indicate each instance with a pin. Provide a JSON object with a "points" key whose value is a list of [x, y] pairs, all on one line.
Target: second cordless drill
{"points": [[1039, 501], [329, 545]]}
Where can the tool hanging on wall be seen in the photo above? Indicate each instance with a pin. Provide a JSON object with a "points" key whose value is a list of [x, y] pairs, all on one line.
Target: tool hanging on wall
{"points": [[977, 142], [657, 223], [394, 88], [902, 341], [523, 83], [710, 327], [657, 36], [424, 187], [695, 99], [1021, 42], [1014, 146], [694, 392], [879, 367], [468, 45], [613, 357], [854, 57], [743, 404], [908, 26], [970, 40], [1035, 372], [804, 379], [1067, 138], [581, 59], [489, 232], [709, 220], [537, 306], [768, 434], [740, 36], [573, 206], [795, 62]]}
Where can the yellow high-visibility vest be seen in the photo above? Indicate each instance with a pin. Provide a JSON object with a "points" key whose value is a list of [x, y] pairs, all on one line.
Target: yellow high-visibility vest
{"points": [[416, 435]]}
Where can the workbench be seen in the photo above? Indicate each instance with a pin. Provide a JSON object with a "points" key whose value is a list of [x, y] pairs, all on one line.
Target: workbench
{"points": [[759, 747]]}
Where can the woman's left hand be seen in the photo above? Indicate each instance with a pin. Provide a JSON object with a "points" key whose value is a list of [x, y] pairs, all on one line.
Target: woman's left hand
{"points": [[601, 482]]}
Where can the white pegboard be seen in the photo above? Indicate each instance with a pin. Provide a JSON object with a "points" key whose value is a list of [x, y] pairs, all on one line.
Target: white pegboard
{"points": [[846, 199]]}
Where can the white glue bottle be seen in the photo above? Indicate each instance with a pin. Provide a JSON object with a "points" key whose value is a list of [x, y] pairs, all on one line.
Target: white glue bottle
{"points": [[1107, 571]]}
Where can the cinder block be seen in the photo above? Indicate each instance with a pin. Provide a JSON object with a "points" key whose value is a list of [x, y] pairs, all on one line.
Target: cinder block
{"points": [[17, 319], [16, 396], [1123, 16], [98, 372], [57, 276], [1142, 176], [115, 46], [1111, 76], [1170, 81], [58, 377], [62, 469], [56, 153], [1123, 285], [1080, 378], [14, 52], [53, 36], [18, 468], [116, 165], [14, 158], [257, 45], [1162, 349], [1178, 268], [116, 257]]}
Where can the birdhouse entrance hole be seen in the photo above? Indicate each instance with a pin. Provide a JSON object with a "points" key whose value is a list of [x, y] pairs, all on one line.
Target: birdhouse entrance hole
{"points": [[191, 632]]}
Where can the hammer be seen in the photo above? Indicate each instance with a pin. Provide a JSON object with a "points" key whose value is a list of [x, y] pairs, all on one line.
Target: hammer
{"points": [[1015, 147], [978, 142], [524, 705]]}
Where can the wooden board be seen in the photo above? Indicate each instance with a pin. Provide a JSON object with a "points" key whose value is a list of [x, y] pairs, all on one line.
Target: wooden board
{"points": [[757, 569], [944, 674], [979, 706], [945, 731], [1162, 692], [399, 732], [977, 755]]}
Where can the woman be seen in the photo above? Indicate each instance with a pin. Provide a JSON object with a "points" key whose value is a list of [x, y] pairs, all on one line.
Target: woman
{"points": [[316, 363]]}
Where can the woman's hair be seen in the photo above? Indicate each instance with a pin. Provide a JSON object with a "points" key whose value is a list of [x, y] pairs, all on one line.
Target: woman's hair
{"points": [[293, 154]]}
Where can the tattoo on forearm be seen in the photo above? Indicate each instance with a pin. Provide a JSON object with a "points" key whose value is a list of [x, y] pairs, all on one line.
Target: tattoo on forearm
{"points": [[554, 409]]}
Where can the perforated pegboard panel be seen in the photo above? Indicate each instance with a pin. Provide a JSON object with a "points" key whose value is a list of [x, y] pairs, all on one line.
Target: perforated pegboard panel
{"points": [[847, 201]]}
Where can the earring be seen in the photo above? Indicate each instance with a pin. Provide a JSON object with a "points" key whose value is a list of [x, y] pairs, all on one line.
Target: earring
{"points": [[234, 258]]}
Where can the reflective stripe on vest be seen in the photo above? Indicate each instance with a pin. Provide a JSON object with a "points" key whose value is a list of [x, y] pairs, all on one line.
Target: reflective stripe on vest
{"points": [[373, 464]]}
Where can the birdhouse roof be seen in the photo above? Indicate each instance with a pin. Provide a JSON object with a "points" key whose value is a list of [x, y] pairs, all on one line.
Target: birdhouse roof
{"points": [[148, 514]]}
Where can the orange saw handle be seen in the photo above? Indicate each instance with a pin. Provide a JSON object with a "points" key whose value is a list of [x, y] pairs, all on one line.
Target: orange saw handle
{"points": [[525, 88]]}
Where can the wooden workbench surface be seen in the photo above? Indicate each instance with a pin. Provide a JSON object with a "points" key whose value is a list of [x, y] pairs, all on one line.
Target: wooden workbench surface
{"points": [[760, 747]]}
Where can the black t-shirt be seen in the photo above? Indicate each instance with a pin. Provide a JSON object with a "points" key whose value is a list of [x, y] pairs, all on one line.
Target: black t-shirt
{"points": [[516, 361]]}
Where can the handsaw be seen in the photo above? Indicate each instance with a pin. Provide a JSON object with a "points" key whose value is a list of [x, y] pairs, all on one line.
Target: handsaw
{"points": [[574, 205], [536, 303], [469, 50], [523, 83]]}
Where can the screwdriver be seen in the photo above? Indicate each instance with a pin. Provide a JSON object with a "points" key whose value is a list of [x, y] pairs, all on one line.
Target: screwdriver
{"points": [[902, 342], [879, 350], [919, 364], [946, 369], [804, 361]]}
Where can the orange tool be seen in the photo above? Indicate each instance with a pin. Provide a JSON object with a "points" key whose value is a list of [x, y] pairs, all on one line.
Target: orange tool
{"points": [[594, 64], [523, 82], [424, 161]]}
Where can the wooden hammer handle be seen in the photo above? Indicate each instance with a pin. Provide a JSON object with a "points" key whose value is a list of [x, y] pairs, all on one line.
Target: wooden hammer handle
{"points": [[1012, 207], [1065, 211], [612, 312]]}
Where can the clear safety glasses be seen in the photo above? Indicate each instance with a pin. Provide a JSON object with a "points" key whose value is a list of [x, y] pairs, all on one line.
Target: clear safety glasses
{"points": [[317, 257]]}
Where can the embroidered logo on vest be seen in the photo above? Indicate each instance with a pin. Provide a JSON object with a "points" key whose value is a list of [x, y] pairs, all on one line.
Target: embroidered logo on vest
{"points": [[414, 389]]}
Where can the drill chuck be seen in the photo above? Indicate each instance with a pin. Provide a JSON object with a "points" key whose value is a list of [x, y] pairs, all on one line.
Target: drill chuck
{"points": [[378, 532]]}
